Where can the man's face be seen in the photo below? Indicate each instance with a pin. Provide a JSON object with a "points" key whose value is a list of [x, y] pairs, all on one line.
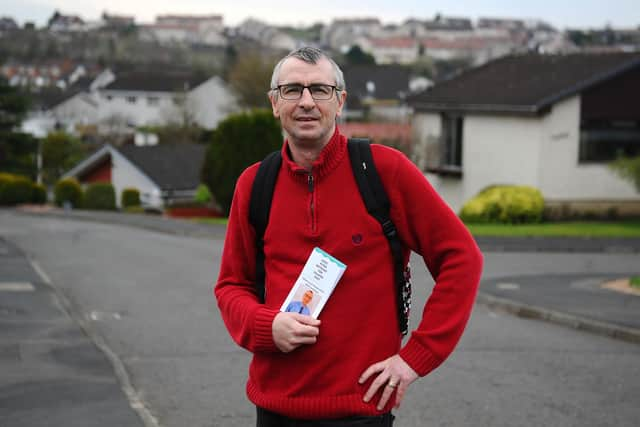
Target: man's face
{"points": [[306, 121], [306, 297]]}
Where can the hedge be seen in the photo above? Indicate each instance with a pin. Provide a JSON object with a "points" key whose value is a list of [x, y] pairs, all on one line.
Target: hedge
{"points": [[130, 197], [508, 204], [68, 190], [38, 194], [100, 196], [15, 189]]}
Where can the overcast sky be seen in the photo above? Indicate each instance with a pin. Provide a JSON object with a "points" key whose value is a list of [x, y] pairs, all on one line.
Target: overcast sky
{"points": [[561, 14]]}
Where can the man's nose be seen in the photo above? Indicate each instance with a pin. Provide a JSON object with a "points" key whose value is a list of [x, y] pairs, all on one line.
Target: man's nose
{"points": [[306, 100]]}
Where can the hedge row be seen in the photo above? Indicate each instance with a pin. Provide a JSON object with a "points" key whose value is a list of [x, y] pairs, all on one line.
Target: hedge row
{"points": [[17, 189], [98, 196], [507, 204]]}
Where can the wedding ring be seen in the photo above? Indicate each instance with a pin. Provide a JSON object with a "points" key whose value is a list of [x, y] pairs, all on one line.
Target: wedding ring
{"points": [[392, 385]]}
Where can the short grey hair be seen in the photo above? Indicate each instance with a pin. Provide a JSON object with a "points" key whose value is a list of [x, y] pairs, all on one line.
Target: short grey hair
{"points": [[310, 55]]}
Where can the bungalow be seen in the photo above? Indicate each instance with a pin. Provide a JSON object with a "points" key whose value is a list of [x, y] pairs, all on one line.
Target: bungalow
{"points": [[549, 121], [162, 173]]}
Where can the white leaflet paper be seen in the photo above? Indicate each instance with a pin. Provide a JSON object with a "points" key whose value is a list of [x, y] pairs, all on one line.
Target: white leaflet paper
{"points": [[313, 287]]}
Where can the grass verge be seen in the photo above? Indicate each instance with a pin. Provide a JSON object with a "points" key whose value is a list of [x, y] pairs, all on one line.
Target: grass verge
{"points": [[627, 229], [222, 221], [634, 282]]}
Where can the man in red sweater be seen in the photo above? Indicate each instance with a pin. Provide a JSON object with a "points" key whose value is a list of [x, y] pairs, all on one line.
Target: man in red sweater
{"points": [[348, 367]]}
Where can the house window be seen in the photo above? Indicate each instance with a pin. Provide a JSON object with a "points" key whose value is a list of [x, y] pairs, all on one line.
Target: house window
{"points": [[153, 100], [131, 99], [109, 97], [605, 140], [451, 154]]}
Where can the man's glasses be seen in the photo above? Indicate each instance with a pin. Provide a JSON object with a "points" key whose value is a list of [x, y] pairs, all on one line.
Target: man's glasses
{"points": [[293, 92]]}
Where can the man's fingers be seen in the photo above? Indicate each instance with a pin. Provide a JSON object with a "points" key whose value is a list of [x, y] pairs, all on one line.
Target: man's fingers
{"points": [[387, 391], [306, 320], [376, 367], [380, 381], [402, 388]]}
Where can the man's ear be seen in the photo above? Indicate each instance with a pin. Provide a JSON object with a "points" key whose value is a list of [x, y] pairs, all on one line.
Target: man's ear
{"points": [[341, 100], [273, 97]]}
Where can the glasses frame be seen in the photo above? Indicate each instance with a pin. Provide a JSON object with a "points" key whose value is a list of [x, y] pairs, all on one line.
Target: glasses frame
{"points": [[334, 88]]}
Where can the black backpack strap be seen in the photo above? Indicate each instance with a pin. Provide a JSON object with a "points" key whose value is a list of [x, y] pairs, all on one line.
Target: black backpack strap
{"points": [[259, 208], [378, 205]]}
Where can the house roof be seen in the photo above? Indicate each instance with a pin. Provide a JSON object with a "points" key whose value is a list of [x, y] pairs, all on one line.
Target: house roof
{"points": [[170, 166], [526, 84], [155, 81], [389, 82]]}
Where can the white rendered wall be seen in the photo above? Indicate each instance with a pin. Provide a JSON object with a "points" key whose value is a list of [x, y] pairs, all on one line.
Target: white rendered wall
{"points": [[141, 112], [561, 176], [211, 102], [125, 175]]}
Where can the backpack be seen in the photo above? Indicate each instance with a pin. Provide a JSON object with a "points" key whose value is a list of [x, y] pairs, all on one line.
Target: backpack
{"points": [[374, 197]]}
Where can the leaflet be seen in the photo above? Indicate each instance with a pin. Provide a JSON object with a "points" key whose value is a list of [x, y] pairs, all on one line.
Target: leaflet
{"points": [[316, 282]]}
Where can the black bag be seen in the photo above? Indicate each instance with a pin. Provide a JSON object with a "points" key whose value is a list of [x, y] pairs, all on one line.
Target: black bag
{"points": [[374, 198]]}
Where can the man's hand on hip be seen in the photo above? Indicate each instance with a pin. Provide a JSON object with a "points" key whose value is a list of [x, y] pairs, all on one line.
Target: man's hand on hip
{"points": [[291, 330], [393, 374]]}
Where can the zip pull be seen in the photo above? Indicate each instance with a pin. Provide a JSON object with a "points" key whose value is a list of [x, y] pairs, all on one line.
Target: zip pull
{"points": [[310, 182]]}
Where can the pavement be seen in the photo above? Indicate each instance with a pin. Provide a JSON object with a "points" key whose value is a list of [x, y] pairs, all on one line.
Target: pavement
{"points": [[54, 370]]}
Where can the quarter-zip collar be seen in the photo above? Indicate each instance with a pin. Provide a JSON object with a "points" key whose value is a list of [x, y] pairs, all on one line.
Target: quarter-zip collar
{"points": [[330, 157]]}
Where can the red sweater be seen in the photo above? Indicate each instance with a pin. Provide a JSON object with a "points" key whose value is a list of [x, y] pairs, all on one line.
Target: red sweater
{"points": [[359, 324]]}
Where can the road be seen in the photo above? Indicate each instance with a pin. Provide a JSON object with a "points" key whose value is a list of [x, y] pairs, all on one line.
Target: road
{"points": [[148, 296]]}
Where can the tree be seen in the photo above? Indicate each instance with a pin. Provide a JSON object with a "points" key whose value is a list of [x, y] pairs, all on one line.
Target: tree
{"points": [[60, 152], [250, 78], [238, 141], [628, 168], [356, 56], [17, 149]]}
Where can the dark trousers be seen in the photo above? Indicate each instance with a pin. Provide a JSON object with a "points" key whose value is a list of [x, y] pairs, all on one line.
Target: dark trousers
{"points": [[271, 419]]}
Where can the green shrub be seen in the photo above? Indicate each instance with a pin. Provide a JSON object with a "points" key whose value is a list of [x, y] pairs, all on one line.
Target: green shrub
{"points": [[100, 196], [38, 194], [68, 190], [15, 189], [203, 195], [237, 142], [508, 204], [130, 197]]}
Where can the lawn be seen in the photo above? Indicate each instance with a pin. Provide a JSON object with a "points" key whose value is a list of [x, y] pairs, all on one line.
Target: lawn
{"points": [[222, 221], [628, 229]]}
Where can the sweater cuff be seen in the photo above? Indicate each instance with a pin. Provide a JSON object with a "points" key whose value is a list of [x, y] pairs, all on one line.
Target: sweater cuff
{"points": [[263, 330], [419, 358]]}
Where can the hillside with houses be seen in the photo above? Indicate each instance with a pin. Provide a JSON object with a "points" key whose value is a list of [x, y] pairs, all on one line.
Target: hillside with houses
{"points": [[473, 103]]}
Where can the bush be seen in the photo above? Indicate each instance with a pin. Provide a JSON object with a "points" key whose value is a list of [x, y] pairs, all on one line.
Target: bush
{"points": [[203, 195], [238, 141], [38, 194], [15, 189], [130, 197], [68, 190], [100, 196], [504, 204]]}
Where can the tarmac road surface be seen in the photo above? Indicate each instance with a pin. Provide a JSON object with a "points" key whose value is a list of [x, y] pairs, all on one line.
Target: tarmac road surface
{"points": [[147, 296]]}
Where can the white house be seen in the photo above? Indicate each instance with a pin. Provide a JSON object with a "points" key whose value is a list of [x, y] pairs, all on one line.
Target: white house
{"points": [[168, 29], [391, 50], [548, 121], [158, 97], [162, 173], [265, 35]]}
